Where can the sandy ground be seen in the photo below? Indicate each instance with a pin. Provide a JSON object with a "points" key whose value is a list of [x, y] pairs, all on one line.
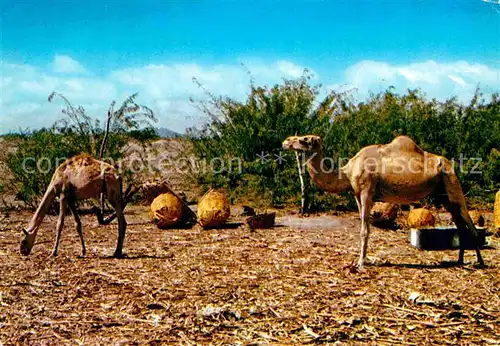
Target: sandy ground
{"points": [[292, 284]]}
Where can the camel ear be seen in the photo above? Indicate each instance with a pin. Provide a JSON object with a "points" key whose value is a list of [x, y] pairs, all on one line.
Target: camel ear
{"points": [[25, 232]]}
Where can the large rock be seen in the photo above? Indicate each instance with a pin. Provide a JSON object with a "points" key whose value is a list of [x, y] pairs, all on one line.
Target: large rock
{"points": [[166, 210], [420, 218], [152, 189], [384, 212], [213, 209]]}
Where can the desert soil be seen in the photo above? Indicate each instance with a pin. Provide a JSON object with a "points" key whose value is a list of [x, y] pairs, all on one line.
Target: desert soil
{"points": [[292, 284]]}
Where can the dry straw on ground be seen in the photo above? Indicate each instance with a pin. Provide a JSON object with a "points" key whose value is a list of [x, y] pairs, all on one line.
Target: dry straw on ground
{"points": [[230, 286]]}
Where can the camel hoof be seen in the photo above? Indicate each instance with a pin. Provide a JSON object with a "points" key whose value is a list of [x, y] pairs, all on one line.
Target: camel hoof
{"points": [[54, 254], [119, 255], [480, 265]]}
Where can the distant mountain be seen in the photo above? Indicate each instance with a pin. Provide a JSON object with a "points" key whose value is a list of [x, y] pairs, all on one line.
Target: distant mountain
{"points": [[163, 132]]}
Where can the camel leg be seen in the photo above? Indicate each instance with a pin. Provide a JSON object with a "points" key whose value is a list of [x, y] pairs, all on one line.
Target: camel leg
{"points": [[60, 222], [358, 202], [78, 223], [122, 226], [458, 209], [365, 201], [465, 228], [454, 210]]}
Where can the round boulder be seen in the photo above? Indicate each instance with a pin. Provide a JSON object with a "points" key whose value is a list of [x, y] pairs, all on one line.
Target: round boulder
{"points": [[213, 209], [166, 210], [384, 212], [420, 218]]}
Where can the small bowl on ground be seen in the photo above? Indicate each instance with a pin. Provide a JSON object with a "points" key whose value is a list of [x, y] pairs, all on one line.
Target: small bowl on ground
{"points": [[261, 221]]}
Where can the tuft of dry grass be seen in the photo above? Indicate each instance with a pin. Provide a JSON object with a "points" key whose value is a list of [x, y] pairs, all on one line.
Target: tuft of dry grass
{"points": [[276, 286]]}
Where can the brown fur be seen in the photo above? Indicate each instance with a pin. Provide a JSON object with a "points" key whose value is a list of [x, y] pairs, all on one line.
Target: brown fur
{"points": [[80, 177], [398, 172]]}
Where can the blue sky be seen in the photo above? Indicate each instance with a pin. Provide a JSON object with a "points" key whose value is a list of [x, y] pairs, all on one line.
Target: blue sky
{"points": [[97, 51]]}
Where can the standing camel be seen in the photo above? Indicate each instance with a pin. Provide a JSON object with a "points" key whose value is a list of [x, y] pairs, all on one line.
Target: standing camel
{"points": [[78, 178], [398, 172]]}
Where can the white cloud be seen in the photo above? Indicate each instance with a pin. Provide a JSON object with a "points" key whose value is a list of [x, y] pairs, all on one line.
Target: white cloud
{"points": [[290, 69], [177, 79], [167, 88], [439, 80], [66, 64], [458, 80]]}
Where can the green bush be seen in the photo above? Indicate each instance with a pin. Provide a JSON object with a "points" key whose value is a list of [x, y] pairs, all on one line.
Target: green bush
{"points": [[252, 132]]}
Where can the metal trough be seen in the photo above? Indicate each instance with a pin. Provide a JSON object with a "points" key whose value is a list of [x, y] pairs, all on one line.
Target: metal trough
{"points": [[443, 238]]}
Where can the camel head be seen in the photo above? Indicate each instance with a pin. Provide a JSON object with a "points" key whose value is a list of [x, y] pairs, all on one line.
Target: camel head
{"points": [[309, 143], [27, 243]]}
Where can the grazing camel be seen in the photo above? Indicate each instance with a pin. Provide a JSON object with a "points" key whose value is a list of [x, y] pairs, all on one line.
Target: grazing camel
{"points": [[78, 178], [398, 172]]}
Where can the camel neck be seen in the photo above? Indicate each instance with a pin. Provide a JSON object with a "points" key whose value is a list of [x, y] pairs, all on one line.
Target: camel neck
{"points": [[326, 177], [41, 211]]}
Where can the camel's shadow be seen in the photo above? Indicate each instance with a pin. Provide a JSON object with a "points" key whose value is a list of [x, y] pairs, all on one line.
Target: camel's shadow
{"points": [[136, 257], [227, 225], [441, 265]]}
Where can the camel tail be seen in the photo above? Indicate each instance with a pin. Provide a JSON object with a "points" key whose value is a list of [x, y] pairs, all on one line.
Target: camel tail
{"points": [[42, 209]]}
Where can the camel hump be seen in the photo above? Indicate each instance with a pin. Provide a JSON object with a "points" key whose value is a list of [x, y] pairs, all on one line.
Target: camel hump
{"points": [[403, 144]]}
